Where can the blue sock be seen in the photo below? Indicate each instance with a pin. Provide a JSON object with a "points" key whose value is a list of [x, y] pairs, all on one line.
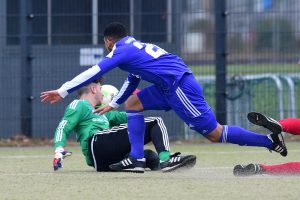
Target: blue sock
{"points": [[243, 137], [136, 131]]}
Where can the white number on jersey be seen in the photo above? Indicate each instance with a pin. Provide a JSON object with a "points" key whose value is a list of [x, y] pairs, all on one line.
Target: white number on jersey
{"points": [[151, 49]]}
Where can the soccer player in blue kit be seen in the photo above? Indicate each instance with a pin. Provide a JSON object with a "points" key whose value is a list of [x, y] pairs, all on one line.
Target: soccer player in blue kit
{"points": [[174, 87]]}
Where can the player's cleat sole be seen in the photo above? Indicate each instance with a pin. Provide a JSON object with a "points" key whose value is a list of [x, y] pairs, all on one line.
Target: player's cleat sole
{"points": [[134, 170], [247, 170], [129, 164], [264, 121], [178, 162]]}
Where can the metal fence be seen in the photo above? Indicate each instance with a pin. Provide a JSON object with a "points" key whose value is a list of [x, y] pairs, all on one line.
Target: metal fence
{"points": [[43, 43]]}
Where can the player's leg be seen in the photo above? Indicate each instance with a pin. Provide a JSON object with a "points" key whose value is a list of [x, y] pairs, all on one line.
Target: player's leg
{"points": [[150, 99], [290, 125], [290, 168], [156, 132], [158, 135], [188, 102], [136, 126], [243, 137]]}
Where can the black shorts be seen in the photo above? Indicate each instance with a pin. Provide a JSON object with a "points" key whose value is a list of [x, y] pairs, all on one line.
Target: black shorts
{"points": [[108, 147]]}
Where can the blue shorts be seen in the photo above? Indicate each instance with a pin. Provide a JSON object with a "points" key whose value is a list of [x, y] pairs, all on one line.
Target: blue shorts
{"points": [[186, 100]]}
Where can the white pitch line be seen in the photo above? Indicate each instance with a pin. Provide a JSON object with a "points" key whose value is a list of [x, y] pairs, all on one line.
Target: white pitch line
{"points": [[71, 174], [211, 168], [30, 156], [26, 174], [194, 152], [233, 152]]}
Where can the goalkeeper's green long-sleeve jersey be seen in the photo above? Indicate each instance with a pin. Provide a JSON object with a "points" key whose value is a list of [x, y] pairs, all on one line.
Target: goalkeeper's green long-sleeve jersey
{"points": [[79, 117]]}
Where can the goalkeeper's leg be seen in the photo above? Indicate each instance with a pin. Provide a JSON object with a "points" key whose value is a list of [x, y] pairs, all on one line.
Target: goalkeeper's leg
{"points": [[156, 132]]}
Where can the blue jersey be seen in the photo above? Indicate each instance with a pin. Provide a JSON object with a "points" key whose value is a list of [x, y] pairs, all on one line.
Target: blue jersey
{"points": [[142, 60]]}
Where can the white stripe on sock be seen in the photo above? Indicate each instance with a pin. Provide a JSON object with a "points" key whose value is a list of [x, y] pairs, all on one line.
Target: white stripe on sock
{"points": [[224, 135]]}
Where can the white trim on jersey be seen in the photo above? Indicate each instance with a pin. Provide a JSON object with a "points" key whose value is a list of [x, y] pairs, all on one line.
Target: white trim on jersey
{"points": [[73, 104], [112, 130], [79, 79], [113, 103], [187, 104], [112, 52], [60, 129]]}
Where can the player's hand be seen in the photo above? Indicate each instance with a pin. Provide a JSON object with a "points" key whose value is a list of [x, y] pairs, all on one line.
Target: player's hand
{"points": [[103, 110], [51, 96], [60, 154]]}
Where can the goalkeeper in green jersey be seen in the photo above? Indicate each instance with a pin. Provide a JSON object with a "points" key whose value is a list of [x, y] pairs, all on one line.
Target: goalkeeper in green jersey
{"points": [[104, 138]]}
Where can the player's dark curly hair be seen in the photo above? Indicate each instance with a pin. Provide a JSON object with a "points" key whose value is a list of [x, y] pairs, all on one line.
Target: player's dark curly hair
{"points": [[115, 30]]}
